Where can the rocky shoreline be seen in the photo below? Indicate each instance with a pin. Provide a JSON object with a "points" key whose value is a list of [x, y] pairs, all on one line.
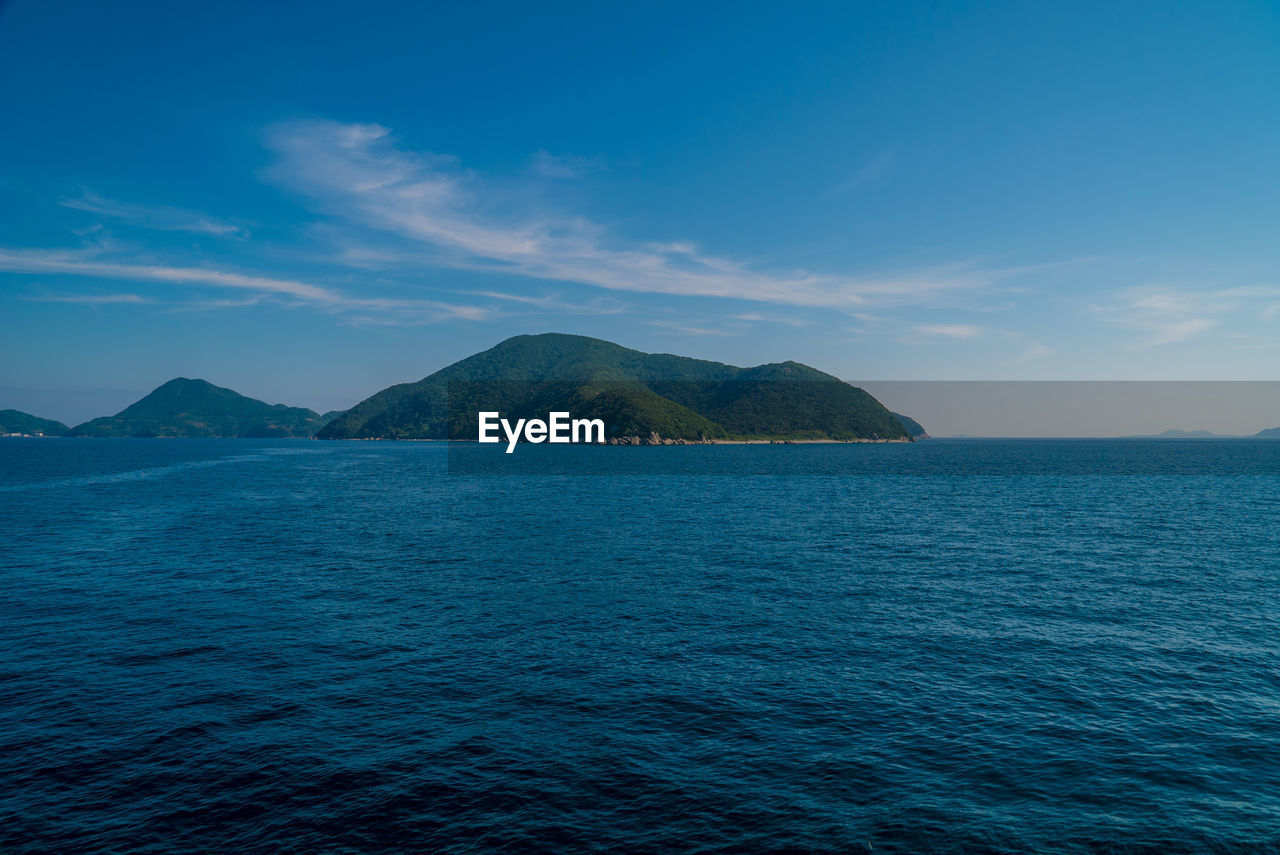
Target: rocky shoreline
{"points": [[654, 439]]}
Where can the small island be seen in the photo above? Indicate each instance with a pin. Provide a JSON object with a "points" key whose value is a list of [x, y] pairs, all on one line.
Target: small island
{"points": [[197, 408], [18, 423]]}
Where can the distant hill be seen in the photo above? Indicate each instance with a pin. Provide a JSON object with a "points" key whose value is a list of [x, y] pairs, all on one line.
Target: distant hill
{"points": [[16, 421], [197, 408], [633, 392], [914, 429], [1187, 434], [1269, 433]]}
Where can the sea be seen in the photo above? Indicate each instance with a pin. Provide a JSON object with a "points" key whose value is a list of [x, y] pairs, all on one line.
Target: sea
{"points": [[951, 646]]}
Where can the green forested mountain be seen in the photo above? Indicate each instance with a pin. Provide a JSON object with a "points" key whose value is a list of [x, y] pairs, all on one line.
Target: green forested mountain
{"points": [[197, 408], [913, 427], [16, 421], [633, 392]]}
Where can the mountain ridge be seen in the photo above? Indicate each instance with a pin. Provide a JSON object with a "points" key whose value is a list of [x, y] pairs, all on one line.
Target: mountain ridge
{"points": [[629, 389], [913, 428], [25, 424], [183, 407]]}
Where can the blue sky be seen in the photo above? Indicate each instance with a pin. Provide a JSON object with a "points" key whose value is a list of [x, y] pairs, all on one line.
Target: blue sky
{"points": [[310, 203]]}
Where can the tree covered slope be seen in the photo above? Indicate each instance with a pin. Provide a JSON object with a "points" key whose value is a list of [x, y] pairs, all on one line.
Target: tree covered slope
{"points": [[633, 392], [197, 408], [16, 421]]}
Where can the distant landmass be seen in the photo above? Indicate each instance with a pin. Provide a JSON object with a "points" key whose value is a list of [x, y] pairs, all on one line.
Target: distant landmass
{"points": [[1269, 433], [25, 424], [197, 408], [634, 393]]}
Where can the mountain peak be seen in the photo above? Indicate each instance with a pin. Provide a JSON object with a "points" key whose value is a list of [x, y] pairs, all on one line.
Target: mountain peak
{"points": [[192, 407]]}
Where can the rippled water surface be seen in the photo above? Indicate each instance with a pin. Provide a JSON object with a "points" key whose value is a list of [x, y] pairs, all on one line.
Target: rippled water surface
{"points": [[291, 646]]}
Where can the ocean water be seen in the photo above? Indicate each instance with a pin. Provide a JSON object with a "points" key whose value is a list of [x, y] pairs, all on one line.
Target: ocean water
{"points": [[291, 646]]}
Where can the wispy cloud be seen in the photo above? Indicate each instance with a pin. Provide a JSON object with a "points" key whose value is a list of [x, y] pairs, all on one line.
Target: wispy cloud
{"points": [[358, 173], [867, 173], [948, 330], [1172, 331], [692, 329], [1036, 351], [215, 304], [760, 317], [91, 299], [598, 306], [564, 166], [86, 264], [160, 217], [1163, 316]]}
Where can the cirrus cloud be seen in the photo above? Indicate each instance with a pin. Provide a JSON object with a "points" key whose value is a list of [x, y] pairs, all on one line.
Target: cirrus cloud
{"points": [[360, 174], [949, 330], [161, 217], [80, 263]]}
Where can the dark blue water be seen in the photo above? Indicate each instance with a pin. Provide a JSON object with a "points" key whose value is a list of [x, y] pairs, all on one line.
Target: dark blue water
{"points": [[292, 646]]}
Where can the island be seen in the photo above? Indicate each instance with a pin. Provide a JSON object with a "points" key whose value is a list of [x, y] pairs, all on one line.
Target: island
{"points": [[197, 408], [635, 394], [18, 423]]}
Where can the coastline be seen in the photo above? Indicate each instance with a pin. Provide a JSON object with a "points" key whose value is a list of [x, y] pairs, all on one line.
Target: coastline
{"points": [[647, 444], [804, 441]]}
